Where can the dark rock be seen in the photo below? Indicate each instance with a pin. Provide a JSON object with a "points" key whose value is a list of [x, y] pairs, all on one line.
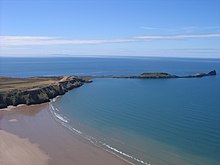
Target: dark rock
{"points": [[212, 73]]}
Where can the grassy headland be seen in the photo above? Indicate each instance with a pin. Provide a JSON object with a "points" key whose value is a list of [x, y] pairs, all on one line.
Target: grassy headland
{"points": [[14, 91]]}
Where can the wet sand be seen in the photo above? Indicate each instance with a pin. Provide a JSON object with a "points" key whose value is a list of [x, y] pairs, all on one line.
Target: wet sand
{"points": [[30, 134]]}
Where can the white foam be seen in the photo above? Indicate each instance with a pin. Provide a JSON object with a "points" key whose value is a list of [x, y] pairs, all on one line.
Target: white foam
{"points": [[54, 99], [124, 154], [79, 132], [60, 117], [52, 107], [57, 115], [62, 120], [94, 141]]}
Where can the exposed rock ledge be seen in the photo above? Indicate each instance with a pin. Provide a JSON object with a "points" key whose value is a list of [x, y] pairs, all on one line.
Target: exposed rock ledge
{"points": [[14, 91]]}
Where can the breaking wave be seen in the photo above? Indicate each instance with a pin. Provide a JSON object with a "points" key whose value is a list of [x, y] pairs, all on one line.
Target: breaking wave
{"points": [[64, 121]]}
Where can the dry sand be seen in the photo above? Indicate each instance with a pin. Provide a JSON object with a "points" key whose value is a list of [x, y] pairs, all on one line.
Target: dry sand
{"points": [[15, 150], [30, 135]]}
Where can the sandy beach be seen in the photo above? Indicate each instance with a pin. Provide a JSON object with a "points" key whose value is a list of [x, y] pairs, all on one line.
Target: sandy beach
{"points": [[30, 135]]}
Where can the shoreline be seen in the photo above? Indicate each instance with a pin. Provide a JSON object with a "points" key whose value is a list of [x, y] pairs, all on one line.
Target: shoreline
{"points": [[63, 121], [36, 128], [36, 90]]}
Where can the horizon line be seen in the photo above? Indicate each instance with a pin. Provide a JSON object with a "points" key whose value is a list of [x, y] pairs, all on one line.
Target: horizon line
{"points": [[103, 56]]}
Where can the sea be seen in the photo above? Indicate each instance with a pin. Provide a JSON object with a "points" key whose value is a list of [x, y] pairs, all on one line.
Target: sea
{"points": [[144, 121]]}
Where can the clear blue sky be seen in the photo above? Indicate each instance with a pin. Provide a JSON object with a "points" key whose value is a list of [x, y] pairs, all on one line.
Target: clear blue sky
{"points": [[179, 28]]}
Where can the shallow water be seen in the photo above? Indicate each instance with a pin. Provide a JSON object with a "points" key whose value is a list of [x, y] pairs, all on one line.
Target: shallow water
{"points": [[153, 120]]}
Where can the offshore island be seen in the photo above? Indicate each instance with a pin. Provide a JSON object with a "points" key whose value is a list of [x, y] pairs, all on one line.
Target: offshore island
{"points": [[36, 90]]}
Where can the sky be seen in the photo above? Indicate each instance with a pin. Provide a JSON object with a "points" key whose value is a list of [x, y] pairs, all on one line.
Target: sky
{"points": [[164, 28]]}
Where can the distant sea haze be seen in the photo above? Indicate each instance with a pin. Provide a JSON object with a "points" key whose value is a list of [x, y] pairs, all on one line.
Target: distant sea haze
{"points": [[153, 121]]}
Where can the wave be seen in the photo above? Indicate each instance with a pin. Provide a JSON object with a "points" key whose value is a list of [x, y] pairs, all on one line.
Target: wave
{"points": [[54, 99], [60, 117], [106, 147], [126, 155]]}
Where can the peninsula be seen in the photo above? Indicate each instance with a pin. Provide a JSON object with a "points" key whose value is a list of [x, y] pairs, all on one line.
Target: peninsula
{"points": [[36, 90]]}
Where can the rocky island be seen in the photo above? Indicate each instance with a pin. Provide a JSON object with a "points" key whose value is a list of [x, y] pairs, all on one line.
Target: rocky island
{"points": [[36, 90], [160, 75]]}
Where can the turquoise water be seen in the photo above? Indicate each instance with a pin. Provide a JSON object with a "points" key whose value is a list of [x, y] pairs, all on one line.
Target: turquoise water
{"points": [[163, 122]]}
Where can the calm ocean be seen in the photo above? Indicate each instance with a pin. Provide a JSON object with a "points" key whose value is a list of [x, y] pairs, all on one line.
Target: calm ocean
{"points": [[156, 121]]}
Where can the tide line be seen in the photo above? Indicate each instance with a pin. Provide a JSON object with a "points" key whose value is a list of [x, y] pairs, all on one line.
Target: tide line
{"points": [[94, 141]]}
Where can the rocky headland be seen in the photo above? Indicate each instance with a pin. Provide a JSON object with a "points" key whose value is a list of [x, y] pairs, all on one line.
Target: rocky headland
{"points": [[36, 90]]}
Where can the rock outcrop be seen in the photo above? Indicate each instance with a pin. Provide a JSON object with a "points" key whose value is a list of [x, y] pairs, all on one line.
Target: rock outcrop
{"points": [[197, 75]]}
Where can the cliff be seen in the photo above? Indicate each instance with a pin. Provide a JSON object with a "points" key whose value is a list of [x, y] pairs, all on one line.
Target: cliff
{"points": [[14, 91]]}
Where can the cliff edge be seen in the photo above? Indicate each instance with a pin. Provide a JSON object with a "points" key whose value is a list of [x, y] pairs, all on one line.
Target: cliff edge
{"points": [[14, 91]]}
